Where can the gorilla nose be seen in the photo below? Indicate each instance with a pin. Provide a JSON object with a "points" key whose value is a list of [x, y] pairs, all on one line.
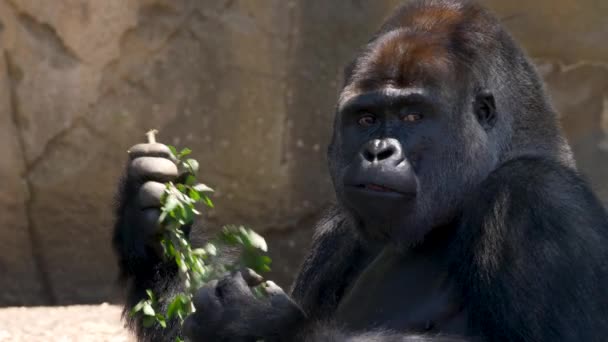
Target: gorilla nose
{"points": [[382, 150]]}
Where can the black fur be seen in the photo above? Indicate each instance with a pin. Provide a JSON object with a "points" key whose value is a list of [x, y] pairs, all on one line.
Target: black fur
{"points": [[499, 202], [141, 268]]}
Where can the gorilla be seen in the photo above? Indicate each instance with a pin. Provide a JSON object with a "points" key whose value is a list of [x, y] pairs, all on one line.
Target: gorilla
{"points": [[460, 213]]}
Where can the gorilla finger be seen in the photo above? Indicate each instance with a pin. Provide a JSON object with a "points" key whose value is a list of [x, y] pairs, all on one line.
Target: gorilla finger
{"points": [[149, 195], [206, 300], [149, 221], [251, 277], [150, 150], [272, 289], [276, 295], [233, 285], [153, 168]]}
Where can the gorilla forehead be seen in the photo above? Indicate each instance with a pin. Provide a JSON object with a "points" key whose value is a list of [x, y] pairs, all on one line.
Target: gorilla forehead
{"points": [[402, 59], [424, 44]]}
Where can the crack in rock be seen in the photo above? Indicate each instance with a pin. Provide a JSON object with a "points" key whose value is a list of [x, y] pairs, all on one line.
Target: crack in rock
{"points": [[61, 56], [37, 249]]}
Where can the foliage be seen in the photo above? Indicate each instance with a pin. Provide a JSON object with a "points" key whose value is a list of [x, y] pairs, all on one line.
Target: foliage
{"points": [[197, 266]]}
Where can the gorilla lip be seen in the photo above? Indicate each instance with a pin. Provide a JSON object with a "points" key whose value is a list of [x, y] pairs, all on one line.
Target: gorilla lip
{"points": [[376, 187], [372, 187]]}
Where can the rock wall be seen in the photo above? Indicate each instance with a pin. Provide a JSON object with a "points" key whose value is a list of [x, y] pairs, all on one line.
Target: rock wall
{"points": [[249, 86]]}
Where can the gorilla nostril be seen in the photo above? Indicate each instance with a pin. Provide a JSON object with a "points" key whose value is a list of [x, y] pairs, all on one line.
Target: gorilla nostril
{"points": [[386, 153], [381, 150], [369, 156]]}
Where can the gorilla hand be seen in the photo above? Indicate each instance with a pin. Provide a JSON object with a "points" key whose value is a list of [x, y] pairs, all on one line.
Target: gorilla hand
{"points": [[150, 165], [228, 311]]}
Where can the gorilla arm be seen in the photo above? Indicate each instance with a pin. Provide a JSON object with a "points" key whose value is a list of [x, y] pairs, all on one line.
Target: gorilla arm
{"points": [[533, 258], [135, 237]]}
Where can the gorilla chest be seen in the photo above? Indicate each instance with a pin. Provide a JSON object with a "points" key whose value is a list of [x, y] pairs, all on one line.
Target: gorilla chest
{"points": [[403, 293]]}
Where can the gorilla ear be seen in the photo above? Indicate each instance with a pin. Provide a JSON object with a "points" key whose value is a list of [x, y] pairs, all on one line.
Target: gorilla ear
{"points": [[485, 109]]}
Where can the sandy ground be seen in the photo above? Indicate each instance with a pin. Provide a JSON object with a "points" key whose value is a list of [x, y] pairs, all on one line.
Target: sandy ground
{"points": [[95, 323]]}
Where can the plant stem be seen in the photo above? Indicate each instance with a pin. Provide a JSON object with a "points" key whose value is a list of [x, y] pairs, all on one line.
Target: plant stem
{"points": [[151, 134]]}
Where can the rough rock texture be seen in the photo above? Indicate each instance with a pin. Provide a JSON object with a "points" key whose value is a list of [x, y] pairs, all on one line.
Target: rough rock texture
{"points": [[249, 86]]}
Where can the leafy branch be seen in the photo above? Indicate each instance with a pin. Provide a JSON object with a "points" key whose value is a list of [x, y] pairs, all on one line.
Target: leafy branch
{"points": [[196, 267]]}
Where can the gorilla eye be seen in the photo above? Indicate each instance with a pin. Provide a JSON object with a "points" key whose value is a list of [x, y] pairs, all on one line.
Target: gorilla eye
{"points": [[367, 120], [412, 117]]}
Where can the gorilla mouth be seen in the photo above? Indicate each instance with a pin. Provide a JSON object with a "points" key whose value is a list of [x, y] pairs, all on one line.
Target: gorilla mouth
{"points": [[379, 188], [376, 187]]}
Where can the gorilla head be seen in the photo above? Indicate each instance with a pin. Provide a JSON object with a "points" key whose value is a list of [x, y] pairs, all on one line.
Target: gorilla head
{"points": [[427, 111]]}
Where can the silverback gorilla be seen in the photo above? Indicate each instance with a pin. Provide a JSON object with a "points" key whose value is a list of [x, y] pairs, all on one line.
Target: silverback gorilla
{"points": [[460, 213]]}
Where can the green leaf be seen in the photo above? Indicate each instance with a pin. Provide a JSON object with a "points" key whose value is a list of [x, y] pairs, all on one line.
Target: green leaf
{"points": [[187, 214], [171, 249], [185, 300], [151, 295], [202, 188], [171, 203], [190, 180], [175, 306], [148, 321], [148, 310], [182, 213], [266, 260], [211, 249], [182, 266], [199, 252], [161, 321], [263, 269], [207, 201], [258, 263], [137, 307], [184, 152], [192, 165], [173, 151], [162, 217], [258, 292], [194, 195], [253, 239], [229, 237]]}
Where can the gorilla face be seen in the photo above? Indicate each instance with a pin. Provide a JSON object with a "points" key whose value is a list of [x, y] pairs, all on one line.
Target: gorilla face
{"points": [[408, 147], [389, 142]]}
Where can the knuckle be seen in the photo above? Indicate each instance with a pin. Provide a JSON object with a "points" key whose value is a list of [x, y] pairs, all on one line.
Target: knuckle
{"points": [[273, 286], [205, 298], [273, 289], [237, 279], [150, 150], [229, 288], [251, 277], [223, 286], [149, 194], [153, 168]]}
